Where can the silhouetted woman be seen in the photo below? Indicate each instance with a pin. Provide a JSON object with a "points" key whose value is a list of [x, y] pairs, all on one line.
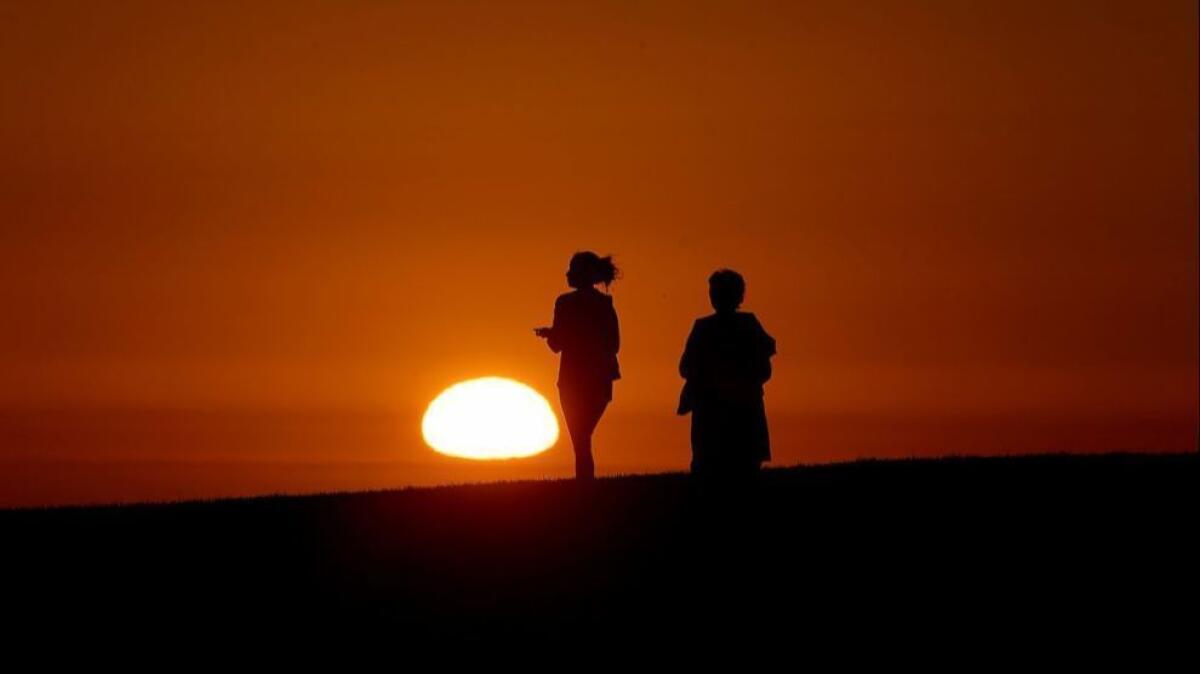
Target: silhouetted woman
{"points": [[585, 332], [726, 362]]}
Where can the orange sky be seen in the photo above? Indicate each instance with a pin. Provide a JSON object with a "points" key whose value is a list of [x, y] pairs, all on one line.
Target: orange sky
{"points": [[943, 209]]}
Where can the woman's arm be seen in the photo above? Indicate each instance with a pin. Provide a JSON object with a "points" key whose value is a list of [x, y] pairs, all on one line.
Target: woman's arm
{"points": [[614, 330], [554, 336]]}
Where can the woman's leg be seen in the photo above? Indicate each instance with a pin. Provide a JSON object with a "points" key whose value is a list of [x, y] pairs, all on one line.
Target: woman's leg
{"points": [[582, 416], [585, 465]]}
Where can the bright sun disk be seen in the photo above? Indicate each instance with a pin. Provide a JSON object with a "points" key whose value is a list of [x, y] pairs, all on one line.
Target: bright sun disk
{"points": [[490, 418]]}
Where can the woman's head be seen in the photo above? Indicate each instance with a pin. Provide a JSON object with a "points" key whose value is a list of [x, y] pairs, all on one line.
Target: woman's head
{"points": [[587, 269], [726, 290]]}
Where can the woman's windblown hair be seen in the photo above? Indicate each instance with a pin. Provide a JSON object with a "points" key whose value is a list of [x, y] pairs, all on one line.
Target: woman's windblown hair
{"points": [[591, 269]]}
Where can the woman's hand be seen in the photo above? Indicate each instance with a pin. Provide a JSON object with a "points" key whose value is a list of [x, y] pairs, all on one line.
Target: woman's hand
{"points": [[544, 333]]}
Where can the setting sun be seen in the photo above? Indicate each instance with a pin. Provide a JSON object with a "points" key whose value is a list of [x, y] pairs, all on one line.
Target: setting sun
{"points": [[490, 418]]}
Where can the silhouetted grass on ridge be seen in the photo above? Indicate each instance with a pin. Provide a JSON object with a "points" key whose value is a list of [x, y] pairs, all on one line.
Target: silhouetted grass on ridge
{"points": [[1093, 539]]}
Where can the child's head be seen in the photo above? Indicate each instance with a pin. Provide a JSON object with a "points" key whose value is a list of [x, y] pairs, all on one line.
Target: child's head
{"points": [[726, 290], [587, 269]]}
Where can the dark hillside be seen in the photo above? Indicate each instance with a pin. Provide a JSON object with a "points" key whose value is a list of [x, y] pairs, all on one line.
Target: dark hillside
{"points": [[1027, 546]]}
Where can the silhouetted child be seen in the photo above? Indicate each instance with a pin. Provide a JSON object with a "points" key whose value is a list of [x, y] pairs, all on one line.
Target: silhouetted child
{"points": [[726, 362], [585, 332]]}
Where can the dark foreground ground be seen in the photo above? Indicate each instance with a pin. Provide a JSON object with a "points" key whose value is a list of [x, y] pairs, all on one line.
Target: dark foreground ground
{"points": [[1017, 550]]}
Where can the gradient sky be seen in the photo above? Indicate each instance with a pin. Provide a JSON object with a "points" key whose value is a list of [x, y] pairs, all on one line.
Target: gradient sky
{"points": [[943, 209]]}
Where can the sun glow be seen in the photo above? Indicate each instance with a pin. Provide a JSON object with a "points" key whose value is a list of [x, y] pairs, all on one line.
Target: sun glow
{"points": [[490, 418]]}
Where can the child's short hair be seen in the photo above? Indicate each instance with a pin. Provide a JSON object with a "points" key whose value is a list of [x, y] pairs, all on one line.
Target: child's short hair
{"points": [[726, 289]]}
